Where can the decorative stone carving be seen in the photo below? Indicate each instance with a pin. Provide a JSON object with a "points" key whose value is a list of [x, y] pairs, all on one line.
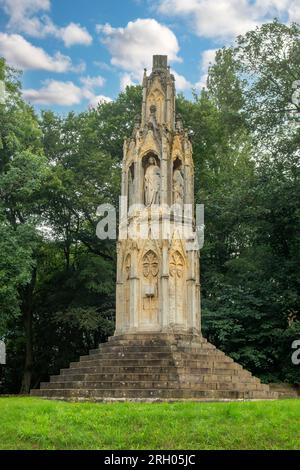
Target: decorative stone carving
{"points": [[178, 187], [176, 265], [127, 266], [150, 299], [150, 143], [178, 289], [150, 265], [152, 183], [177, 150]]}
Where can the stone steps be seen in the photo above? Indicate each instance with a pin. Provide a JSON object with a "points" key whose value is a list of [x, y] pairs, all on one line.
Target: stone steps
{"points": [[135, 394], [121, 377], [155, 367], [108, 385], [144, 369], [117, 368], [203, 362]]}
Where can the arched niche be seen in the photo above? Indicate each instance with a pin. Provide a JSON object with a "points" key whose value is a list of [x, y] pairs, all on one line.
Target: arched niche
{"points": [[177, 270], [156, 98], [178, 182], [131, 177], [151, 179], [149, 286]]}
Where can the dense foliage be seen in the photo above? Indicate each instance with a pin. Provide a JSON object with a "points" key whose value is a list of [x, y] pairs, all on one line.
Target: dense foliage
{"points": [[57, 279]]}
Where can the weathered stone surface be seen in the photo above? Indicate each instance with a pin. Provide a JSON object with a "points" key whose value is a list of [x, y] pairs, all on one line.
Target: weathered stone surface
{"points": [[176, 373], [158, 287]]}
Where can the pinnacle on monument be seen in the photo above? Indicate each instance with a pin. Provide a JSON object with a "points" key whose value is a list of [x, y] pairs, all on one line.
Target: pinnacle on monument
{"points": [[160, 62]]}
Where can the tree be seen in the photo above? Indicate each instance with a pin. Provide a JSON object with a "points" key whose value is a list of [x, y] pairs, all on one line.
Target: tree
{"points": [[254, 290], [23, 171]]}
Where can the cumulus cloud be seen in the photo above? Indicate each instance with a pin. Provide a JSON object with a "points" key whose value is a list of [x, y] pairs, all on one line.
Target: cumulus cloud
{"points": [[182, 83], [89, 90], [21, 53], [55, 92], [125, 81], [21, 14], [228, 18], [93, 82], [66, 93], [75, 34], [294, 12], [28, 17], [207, 59], [132, 47], [99, 99]]}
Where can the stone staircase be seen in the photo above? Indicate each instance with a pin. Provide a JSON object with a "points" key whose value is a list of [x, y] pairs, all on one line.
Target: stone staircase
{"points": [[155, 367]]}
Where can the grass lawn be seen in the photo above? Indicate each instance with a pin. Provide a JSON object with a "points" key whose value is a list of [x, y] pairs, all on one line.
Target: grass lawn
{"points": [[30, 423]]}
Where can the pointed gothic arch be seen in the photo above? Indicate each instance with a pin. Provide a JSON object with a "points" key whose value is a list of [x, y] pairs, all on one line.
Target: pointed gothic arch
{"points": [[177, 271]]}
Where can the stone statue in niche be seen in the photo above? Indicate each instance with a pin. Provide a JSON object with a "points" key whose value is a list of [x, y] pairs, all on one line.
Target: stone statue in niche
{"points": [[152, 183], [178, 186]]}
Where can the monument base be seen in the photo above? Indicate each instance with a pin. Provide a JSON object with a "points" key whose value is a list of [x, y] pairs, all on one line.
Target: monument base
{"points": [[155, 367]]}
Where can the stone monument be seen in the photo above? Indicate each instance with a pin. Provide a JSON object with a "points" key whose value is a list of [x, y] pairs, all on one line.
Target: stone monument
{"points": [[157, 352], [158, 287]]}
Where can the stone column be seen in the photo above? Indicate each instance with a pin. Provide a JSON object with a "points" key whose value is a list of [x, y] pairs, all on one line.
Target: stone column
{"points": [[164, 291], [139, 181], [198, 325], [164, 172], [168, 107], [119, 293], [134, 290], [191, 290]]}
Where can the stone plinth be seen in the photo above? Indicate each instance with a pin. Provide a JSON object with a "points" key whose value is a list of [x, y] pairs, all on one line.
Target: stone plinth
{"points": [[155, 367]]}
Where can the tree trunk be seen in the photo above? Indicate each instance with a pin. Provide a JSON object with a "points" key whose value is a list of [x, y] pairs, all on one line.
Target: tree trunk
{"points": [[27, 310], [27, 374]]}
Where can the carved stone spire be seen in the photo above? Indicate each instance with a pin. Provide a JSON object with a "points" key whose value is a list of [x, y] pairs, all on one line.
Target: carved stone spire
{"points": [[159, 90], [158, 277]]}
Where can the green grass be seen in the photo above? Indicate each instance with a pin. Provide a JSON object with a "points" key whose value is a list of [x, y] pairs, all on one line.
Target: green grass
{"points": [[29, 423]]}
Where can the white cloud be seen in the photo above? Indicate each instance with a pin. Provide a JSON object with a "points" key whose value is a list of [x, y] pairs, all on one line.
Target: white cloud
{"points": [[93, 82], [21, 53], [55, 92], [25, 17], [224, 19], [90, 85], [126, 80], [207, 59], [100, 99], [294, 12], [132, 47], [182, 83], [21, 14], [75, 34], [103, 66]]}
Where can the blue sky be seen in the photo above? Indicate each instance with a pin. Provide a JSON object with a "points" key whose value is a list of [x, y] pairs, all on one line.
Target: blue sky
{"points": [[74, 53]]}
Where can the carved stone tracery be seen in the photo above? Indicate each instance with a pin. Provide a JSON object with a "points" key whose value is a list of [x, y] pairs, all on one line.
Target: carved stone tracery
{"points": [[176, 265], [150, 265]]}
